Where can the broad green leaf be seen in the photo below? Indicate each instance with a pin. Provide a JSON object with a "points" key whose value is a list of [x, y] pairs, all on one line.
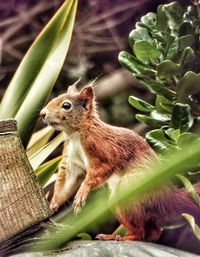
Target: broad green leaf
{"points": [[156, 138], [174, 12], [194, 227], [45, 171], [189, 187], [139, 34], [186, 138], [136, 67], [149, 120], [172, 47], [186, 41], [149, 20], [181, 117], [39, 139], [160, 117], [187, 58], [158, 88], [163, 105], [188, 85], [186, 28], [168, 69], [37, 159], [145, 51], [38, 71], [172, 134], [162, 20], [140, 104]]}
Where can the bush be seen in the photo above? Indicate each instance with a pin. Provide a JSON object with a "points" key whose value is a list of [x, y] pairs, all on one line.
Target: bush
{"points": [[165, 59]]}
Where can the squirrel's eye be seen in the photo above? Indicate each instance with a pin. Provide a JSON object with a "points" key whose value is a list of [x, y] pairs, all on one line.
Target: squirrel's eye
{"points": [[66, 105]]}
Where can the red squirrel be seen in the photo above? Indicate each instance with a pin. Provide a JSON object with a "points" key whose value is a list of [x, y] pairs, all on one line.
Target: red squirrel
{"points": [[96, 153]]}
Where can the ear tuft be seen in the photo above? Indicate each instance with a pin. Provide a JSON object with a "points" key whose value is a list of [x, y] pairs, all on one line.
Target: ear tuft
{"points": [[87, 93], [73, 88]]}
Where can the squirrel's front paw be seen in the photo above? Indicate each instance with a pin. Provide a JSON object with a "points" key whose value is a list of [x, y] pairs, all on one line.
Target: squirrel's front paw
{"points": [[79, 202]]}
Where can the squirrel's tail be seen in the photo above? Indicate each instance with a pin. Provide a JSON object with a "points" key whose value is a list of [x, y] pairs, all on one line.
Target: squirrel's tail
{"points": [[183, 203]]}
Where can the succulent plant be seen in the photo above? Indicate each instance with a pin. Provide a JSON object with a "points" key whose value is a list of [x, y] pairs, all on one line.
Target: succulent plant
{"points": [[165, 59]]}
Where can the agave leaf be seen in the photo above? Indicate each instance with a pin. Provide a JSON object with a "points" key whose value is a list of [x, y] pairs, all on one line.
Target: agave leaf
{"points": [[37, 159], [194, 227], [38, 71], [45, 171], [38, 140], [189, 187]]}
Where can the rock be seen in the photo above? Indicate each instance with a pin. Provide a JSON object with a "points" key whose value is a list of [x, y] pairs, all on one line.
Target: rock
{"points": [[113, 248]]}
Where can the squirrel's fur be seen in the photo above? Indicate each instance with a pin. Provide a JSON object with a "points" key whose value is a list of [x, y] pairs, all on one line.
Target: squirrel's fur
{"points": [[96, 153]]}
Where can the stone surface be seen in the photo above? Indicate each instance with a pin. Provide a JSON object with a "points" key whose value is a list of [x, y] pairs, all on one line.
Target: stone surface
{"points": [[113, 248]]}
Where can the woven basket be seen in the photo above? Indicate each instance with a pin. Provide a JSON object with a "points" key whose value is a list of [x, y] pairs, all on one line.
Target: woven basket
{"points": [[22, 202]]}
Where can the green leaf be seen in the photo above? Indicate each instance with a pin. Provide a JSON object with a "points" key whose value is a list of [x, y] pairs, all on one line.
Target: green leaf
{"points": [[39, 139], [174, 12], [139, 34], [156, 138], [172, 134], [158, 88], [45, 171], [149, 120], [140, 104], [186, 138], [172, 47], [181, 117], [121, 230], [163, 105], [162, 20], [188, 85], [187, 58], [189, 187], [145, 51], [194, 227], [186, 41], [186, 28], [168, 69], [160, 117], [38, 71], [38, 158], [149, 20], [129, 62], [84, 236]]}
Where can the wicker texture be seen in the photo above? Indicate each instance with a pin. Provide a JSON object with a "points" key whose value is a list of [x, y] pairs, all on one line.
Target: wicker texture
{"points": [[22, 202]]}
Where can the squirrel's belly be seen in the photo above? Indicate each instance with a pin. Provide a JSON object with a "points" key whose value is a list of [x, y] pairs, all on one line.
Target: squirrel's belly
{"points": [[76, 152], [113, 182]]}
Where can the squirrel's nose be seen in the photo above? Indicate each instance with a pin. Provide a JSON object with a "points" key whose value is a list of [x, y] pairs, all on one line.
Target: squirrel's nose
{"points": [[43, 113]]}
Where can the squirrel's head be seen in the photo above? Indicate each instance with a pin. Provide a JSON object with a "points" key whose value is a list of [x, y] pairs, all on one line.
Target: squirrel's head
{"points": [[71, 110]]}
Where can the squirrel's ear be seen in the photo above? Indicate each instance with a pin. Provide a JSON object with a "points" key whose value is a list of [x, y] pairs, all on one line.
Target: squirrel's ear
{"points": [[87, 93]]}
